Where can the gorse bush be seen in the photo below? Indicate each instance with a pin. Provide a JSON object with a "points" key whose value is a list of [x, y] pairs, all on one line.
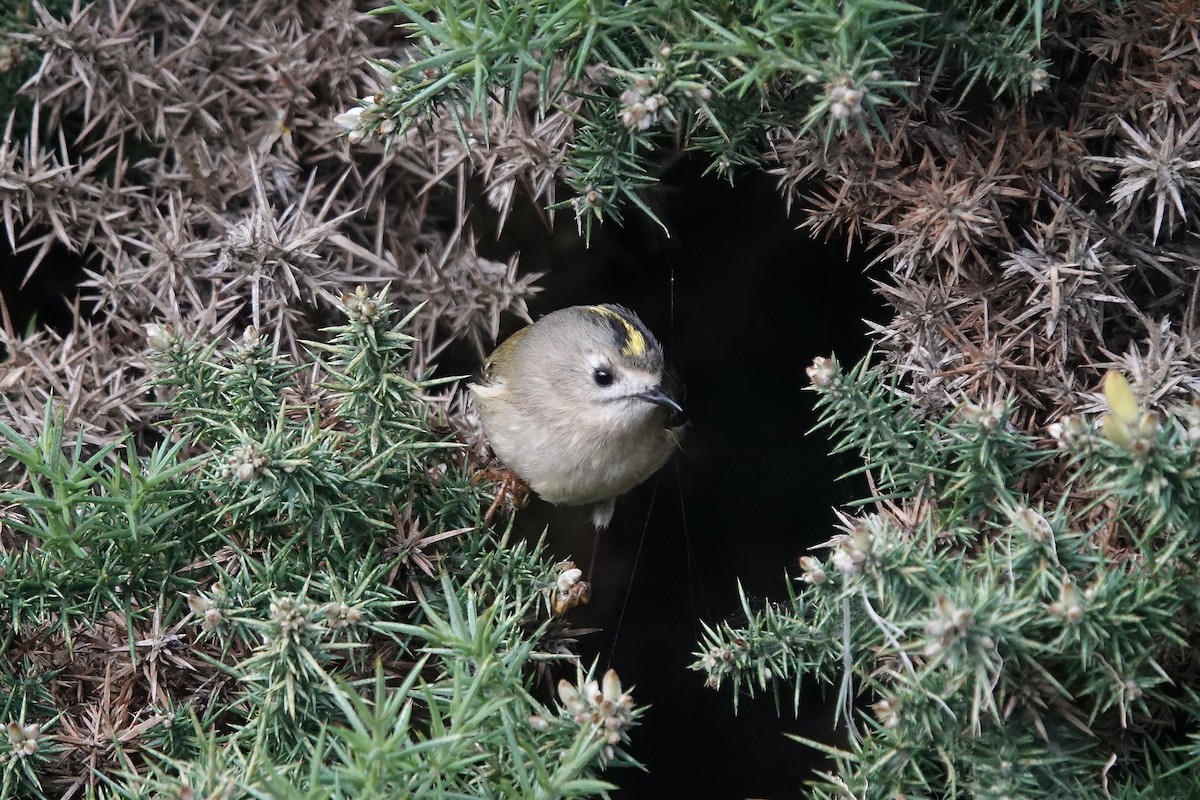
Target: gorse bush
{"points": [[257, 566], [605, 84], [291, 595], [1018, 617], [187, 158], [1012, 611]]}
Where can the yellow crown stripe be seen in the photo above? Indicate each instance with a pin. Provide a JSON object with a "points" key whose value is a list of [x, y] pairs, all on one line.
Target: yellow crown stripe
{"points": [[635, 343]]}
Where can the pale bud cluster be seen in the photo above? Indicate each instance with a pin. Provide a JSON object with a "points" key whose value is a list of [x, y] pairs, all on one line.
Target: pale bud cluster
{"points": [[822, 372], [853, 549], [208, 609], [988, 417], [1039, 79], [1032, 523], [1191, 420], [888, 711], [718, 661], [245, 463], [251, 338], [340, 615], [23, 739], [1068, 431], [246, 349], [570, 589], [814, 572], [291, 617], [846, 97], [1069, 606], [364, 120], [950, 624], [361, 306], [602, 705], [640, 105], [162, 338]]}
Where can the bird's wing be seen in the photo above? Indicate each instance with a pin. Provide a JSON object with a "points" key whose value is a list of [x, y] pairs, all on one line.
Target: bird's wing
{"points": [[506, 349]]}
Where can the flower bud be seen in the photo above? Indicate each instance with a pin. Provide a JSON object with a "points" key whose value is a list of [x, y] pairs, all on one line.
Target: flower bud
{"points": [[813, 572], [161, 338], [822, 372], [569, 695], [612, 686]]}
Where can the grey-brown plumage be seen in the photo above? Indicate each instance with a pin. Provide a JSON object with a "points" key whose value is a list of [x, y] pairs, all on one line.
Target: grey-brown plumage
{"points": [[574, 404]]}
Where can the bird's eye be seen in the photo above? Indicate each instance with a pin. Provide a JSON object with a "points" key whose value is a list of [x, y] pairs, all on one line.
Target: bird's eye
{"points": [[602, 376]]}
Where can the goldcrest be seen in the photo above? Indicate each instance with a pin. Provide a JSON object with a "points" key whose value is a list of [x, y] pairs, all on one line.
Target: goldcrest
{"points": [[575, 405]]}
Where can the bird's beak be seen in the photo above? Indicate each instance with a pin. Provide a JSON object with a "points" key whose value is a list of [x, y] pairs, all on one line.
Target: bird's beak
{"points": [[658, 397]]}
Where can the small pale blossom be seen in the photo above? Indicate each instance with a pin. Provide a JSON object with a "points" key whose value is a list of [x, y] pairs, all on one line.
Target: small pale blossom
{"points": [[362, 307], [245, 463], [989, 417], [1126, 423], [1034, 524], [853, 549], [1069, 606], [639, 109], [350, 118], [602, 704], [570, 589], [1067, 431], [814, 573], [208, 611], [23, 739], [568, 578], [950, 624], [845, 97], [822, 372], [340, 615], [161, 338], [888, 712], [1039, 79]]}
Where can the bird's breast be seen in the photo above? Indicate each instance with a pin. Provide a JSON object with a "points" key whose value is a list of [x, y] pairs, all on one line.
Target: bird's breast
{"points": [[572, 463]]}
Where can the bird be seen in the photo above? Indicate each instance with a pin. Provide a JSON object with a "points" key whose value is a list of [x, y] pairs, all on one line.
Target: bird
{"points": [[575, 404]]}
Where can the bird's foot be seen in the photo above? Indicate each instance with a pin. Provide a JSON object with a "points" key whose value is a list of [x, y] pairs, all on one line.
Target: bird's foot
{"points": [[511, 492]]}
